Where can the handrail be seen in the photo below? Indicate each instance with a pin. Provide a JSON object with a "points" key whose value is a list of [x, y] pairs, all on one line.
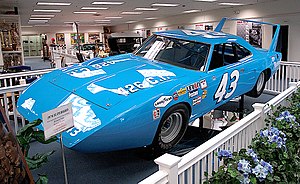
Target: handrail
{"points": [[22, 74]]}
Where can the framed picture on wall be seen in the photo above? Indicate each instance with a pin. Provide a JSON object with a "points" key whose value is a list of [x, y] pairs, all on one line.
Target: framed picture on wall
{"points": [[93, 37], [74, 38], [60, 38]]}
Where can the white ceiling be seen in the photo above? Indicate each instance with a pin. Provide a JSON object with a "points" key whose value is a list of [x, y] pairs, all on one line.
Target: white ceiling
{"points": [[26, 7]]}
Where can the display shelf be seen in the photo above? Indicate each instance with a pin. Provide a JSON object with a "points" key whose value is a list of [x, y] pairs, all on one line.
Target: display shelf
{"points": [[32, 45], [11, 41]]}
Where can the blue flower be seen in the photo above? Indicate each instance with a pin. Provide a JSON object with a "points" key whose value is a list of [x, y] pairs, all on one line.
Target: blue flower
{"points": [[244, 166], [260, 172], [274, 135], [267, 166], [287, 116], [224, 153], [245, 179], [251, 153]]}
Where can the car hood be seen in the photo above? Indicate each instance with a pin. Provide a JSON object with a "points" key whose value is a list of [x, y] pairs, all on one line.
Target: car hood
{"points": [[107, 82]]}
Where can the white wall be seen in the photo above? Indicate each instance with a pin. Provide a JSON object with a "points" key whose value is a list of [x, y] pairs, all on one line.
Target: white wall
{"points": [[285, 12]]}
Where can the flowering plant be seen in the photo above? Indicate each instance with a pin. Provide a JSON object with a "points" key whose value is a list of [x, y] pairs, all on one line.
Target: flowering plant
{"points": [[274, 154]]}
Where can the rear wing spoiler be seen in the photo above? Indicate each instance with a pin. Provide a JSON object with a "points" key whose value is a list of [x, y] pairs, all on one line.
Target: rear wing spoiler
{"points": [[274, 40]]}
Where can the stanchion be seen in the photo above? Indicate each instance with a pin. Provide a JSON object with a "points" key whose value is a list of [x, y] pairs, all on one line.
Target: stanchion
{"points": [[64, 159]]}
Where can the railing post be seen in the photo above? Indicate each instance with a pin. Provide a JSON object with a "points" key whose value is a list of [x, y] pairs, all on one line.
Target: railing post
{"points": [[169, 164], [260, 108]]}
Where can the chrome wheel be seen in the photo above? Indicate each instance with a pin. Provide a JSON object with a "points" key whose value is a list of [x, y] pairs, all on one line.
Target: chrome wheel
{"points": [[260, 82], [171, 127]]}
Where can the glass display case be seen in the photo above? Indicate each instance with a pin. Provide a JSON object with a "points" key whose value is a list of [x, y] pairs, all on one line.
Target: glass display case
{"points": [[32, 45]]}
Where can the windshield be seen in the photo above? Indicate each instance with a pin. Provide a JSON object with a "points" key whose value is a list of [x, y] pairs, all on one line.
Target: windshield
{"points": [[183, 53]]}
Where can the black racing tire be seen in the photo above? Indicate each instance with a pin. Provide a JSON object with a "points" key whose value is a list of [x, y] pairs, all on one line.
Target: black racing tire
{"points": [[172, 127], [259, 86]]}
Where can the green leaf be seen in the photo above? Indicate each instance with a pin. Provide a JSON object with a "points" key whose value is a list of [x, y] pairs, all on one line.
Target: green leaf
{"points": [[276, 178], [43, 179], [38, 160], [28, 127], [40, 137]]}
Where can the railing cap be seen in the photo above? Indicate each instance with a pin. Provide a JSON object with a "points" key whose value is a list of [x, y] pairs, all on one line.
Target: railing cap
{"points": [[167, 160]]}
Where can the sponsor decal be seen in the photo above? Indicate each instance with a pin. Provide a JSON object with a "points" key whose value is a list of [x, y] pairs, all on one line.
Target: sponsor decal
{"points": [[86, 73], [203, 84], [85, 118], [156, 113], [193, 93], [204, 94], [193, 87], [175, 96], [181, 92], [163, 101], [197, 100]]}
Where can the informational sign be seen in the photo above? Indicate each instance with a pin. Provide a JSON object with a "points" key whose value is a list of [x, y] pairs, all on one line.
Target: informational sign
{"points": [[57, 120]]}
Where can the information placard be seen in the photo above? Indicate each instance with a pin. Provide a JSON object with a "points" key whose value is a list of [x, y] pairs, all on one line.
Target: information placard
{"points": [[57, 120]]}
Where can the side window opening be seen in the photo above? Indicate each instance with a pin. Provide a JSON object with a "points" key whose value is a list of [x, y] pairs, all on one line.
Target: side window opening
{"points": [[226, 54]]}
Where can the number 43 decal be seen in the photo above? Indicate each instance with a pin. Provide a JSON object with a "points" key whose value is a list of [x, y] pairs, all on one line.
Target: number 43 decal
{"points": [[221, 92]]}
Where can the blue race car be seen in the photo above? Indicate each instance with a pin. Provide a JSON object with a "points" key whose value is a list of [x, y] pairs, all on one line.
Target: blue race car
{"points": [[148, 98]]}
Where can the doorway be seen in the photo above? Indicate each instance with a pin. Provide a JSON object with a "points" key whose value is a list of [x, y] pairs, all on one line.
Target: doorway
{"points": [[282, 45]]}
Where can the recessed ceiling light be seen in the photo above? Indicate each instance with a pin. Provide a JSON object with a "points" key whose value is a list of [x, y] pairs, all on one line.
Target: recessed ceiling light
{"points": [[165, 4], [131, 13], [45, 10], [150, 18], [42, 15], [94, 8], [113, 17], [190, 11], [108, 2], [26, 26], [207, 0], [131, 21], [53, 4], [39, 18], [231, 4], [103, 20], [84, 12], [146, 9]]}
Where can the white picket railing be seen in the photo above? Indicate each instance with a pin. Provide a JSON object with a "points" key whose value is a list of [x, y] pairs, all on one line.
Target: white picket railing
{"points": [[288, 72], [191, 167], [12, 79]]}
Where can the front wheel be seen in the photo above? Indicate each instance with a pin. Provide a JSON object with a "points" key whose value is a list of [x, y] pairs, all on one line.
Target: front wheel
{"points": [[259, 86], [172, 127]]}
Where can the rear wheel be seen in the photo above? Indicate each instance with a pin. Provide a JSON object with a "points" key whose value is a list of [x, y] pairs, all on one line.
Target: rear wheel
{"points": [[259, 86], [172, 127]]}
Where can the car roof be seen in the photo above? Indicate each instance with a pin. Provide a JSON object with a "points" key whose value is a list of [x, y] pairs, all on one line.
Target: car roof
{"points": [[210, 37]]}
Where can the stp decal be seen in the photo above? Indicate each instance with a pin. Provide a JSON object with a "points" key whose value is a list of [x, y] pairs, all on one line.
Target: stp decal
{"points": [[222, 92], [193, 93], [163, 101], [156, 113], [197, 100]]}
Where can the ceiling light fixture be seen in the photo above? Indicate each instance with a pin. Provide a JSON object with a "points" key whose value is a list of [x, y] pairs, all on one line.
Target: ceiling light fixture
{"points": [[230, 4], [94, 8], [113, 17], [190, 11], [146, 9], [26, 26], [206, 0], [108, 3], [42, 15], [165, 4], [131, 13], [45, 10], [131, 21], [150, 18], [84, 12], [52, 4], [39, 18], [42, 25]]}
